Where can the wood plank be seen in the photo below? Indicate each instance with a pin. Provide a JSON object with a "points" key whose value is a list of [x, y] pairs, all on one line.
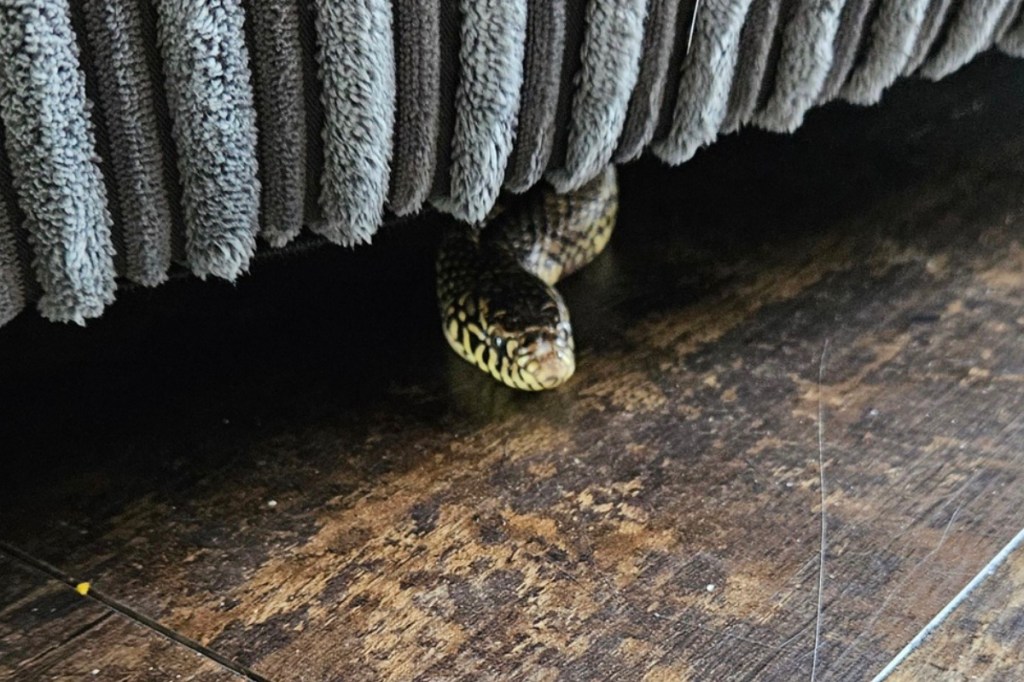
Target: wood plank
{"points": [[317, 491], [49, 632], [982, 640]]}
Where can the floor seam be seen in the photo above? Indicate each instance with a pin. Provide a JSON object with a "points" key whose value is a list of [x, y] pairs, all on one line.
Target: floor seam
{"points": [[88, 592], [987, 570]]}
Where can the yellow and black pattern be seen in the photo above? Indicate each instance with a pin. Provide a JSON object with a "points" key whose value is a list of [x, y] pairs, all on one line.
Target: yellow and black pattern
{"points": [[499, 308]]}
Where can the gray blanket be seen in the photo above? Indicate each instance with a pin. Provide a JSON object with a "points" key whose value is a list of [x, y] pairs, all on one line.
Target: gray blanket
{"points": [[140, 136]]}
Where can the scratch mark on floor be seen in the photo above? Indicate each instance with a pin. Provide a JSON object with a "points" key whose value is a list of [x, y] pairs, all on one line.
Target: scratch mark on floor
{"points": [[823, 543], [948, 609], [959, 496]]}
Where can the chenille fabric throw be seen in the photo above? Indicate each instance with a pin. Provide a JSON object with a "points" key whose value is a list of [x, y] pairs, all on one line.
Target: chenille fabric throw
{"points": [[143, 137]]}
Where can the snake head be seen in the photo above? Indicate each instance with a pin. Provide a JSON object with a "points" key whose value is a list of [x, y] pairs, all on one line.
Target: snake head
{"points": [[534, 337], [511, 325], [547, 358]]}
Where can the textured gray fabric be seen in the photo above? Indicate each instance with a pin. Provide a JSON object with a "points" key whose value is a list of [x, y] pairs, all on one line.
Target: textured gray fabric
{"points": [[127, 85], [12, 292], [1007, 20], [22, 255], [971, 31], [545, 48], [610, 62], [1012, 41], [277, 66], [572, 66], [685, 18], [808, 41], [448, 84], [853, 22], [355, 105], [357, 72], [417, 66], [487, 103], [752, 63], [706, 79], [51, 149], [1009, 23], [211, 101], [891, 40], [931, 27], [645, 102]]}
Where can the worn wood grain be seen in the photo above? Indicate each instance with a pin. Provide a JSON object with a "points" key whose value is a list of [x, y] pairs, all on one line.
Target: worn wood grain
{"points": [[982, 640], [309, 485], [49, 632]]}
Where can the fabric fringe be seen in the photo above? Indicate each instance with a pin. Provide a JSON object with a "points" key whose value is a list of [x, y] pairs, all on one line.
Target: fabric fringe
{"points": [[891, 42], [645, 102], [803, 65], [610, 64], [931, 27], [52, 152], [418, 65], [127, 84], [277, 63], [487, 102], [854, 21], [357, 72], [16, 270], [211, 101], [706, 80], [971, 32], [1013, 42], [281, 114], [1006, 21], [545, 48], [12, 291], [752, 65], [1012, 39]]}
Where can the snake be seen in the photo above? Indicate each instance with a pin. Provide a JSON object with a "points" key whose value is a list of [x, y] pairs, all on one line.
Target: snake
{"points": [[500, 310]]}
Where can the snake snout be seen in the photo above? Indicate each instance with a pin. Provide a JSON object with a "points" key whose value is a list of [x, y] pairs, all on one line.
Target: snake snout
{"points": [[551, 363]]}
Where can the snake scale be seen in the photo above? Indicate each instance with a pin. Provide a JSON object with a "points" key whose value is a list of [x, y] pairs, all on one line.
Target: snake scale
{"points": [[495, 283]]}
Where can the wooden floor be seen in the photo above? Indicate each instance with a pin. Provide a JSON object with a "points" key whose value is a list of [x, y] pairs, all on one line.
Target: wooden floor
{"points": [[795, 436]]}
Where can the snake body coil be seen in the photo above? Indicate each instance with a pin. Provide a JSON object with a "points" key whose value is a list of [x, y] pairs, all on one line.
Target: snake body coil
{"points": [[499, 308]]}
